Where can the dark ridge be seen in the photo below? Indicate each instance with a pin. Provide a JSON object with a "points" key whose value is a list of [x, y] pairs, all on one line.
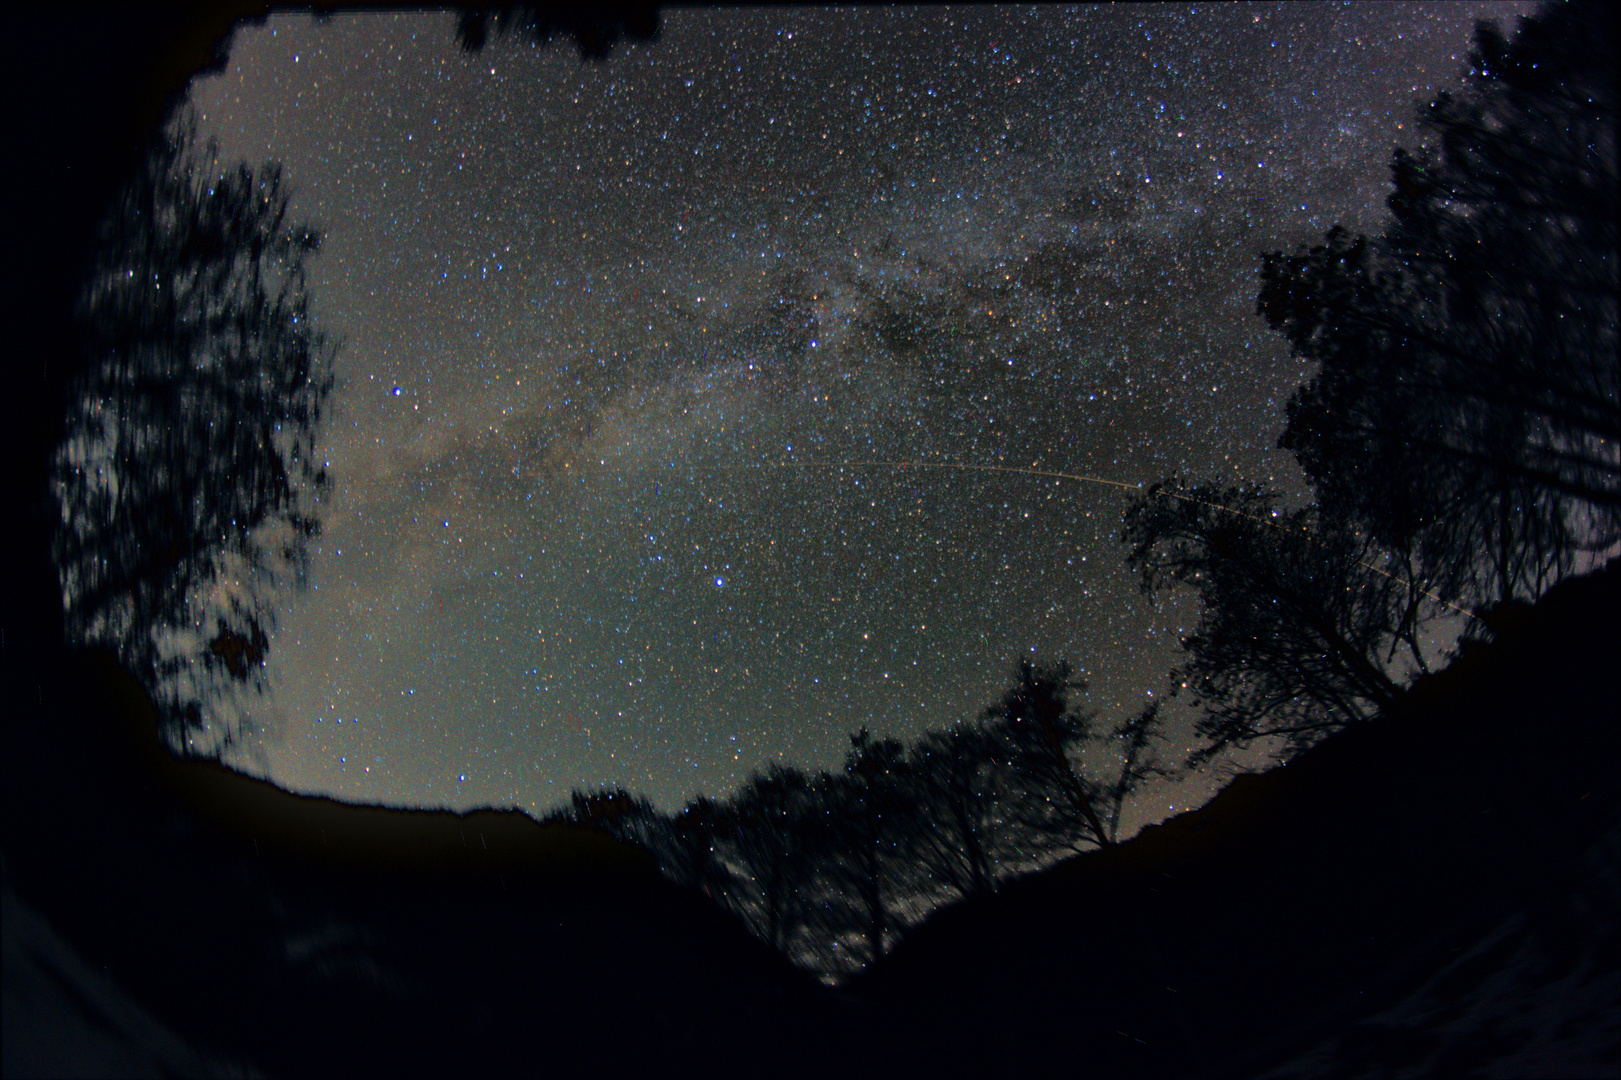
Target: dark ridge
{"points": [[304, 936], [1299, 900]]}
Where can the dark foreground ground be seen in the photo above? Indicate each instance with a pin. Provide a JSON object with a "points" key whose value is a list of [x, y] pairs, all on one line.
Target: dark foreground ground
{"points": [[200, 920], [1433, 893]]}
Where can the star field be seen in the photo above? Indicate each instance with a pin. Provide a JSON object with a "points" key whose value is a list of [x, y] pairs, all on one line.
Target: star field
{"points": [[655, 373]]}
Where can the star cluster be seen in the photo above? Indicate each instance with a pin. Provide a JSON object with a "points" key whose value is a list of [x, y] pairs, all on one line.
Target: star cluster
{"points": [[786, 375]]}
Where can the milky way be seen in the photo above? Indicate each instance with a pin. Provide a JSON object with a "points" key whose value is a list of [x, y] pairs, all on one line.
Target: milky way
{"points": [[635, 356]]}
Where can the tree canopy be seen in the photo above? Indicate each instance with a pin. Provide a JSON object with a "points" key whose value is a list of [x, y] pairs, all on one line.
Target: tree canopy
{"points": [[1462, 430], [594, 30], [188, 479], [1301, 613], [1468, 399], [830, 869], [1039, 732]]}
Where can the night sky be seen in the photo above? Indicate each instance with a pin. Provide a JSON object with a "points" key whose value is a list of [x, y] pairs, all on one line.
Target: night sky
{"points": [[631, 351]]}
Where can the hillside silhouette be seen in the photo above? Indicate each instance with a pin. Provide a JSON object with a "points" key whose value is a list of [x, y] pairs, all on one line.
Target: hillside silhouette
{"points": [[1478, 819], [306, 937]]}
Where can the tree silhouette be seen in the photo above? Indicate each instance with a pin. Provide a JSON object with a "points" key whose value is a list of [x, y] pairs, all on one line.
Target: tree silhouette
{"points": [[595, 30], [689, 856], [1468, 403], [622, 815], [958, 835], [866, 821], [1134, 734], [1048, 799], [187, 479], [1298, 623], [765, 831], [831, 869]]}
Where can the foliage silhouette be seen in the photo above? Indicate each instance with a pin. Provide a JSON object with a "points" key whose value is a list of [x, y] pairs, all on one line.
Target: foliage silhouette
{"points": [[1033, 721], [1299, 622], [689, 857], [187, 480], [764, 832], [618, 813], [1135, 735], [867, 810], [958, 834], [1468, 402], [595, 31], [832, 869]]}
